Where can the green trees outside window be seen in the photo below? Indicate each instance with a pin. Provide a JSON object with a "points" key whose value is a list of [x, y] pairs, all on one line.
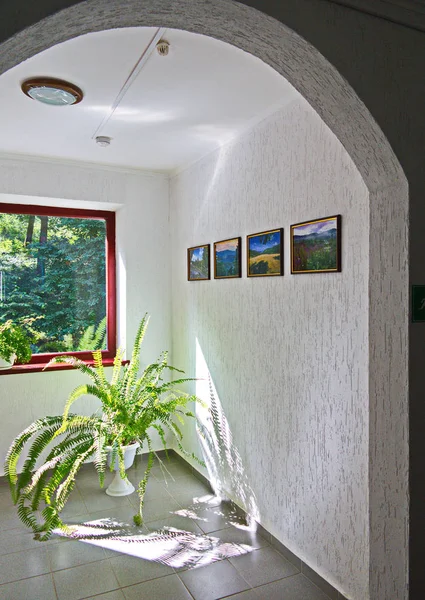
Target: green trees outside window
{"points": [[53, 280]]}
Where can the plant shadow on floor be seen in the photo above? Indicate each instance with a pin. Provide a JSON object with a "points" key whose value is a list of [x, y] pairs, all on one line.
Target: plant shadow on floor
{"points": [[171, 546]]}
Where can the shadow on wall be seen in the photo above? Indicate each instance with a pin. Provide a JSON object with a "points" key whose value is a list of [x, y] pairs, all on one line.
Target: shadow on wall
{"points": [[225, 469]]}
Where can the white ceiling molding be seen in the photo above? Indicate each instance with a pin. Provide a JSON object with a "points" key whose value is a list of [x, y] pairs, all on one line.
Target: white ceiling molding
{"points": [[410, 13], [58, 202], [80, 164]]}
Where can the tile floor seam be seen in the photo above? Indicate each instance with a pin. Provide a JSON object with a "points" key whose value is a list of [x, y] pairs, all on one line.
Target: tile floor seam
{"points": [[185, 587], [17, 552], [276, 580], [50, 563], [101, 594], [267, 582], [111, 567], [75, 516], [251, 587], [85, 505], [32, 577], [25, 578], [126, 587], [87, 562], [144, 580], [118, 587], [264, 585], [54, 586], [315, 585], [229, 564]]}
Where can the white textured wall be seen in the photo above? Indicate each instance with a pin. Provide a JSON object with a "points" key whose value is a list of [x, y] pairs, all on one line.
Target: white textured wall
{"points": [[388, 387], [288, 356], [142, 203]]}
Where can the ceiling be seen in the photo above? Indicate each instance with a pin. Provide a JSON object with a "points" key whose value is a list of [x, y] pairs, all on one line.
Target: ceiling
{"points": [[178, 108]]}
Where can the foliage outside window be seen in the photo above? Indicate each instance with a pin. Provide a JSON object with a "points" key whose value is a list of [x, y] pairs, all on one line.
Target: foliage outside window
{"points": [[57, 278]]}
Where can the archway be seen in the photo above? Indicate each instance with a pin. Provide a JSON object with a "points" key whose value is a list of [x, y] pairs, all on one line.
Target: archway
{"points": [[339, 107]]}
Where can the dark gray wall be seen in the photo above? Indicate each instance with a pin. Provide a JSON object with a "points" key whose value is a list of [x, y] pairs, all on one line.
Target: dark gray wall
{"points": [[384, 62]]}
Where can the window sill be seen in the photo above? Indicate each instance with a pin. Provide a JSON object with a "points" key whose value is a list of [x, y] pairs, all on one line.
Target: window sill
{"points": [[41, 367]]}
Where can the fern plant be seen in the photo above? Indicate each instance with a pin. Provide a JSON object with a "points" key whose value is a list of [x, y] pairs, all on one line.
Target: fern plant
{"points": [[93, 338], [132, 406]]}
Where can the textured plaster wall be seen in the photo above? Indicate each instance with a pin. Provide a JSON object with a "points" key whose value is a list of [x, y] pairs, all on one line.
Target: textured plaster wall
{"points": [[388, 433], [288, 355], [142, 203]]}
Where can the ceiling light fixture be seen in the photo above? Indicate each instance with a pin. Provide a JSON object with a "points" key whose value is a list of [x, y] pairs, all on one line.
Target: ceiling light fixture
{"points": [[103, 140], [54, 92]]}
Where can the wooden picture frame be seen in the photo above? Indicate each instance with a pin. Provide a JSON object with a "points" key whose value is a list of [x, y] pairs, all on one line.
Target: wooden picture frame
{"points": [[227, 258], [198, 263], [316, 246], [264, 253]]}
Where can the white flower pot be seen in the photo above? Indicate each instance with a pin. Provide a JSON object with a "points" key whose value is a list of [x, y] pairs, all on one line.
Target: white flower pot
{"points": [[120, 486], [6, 364]]}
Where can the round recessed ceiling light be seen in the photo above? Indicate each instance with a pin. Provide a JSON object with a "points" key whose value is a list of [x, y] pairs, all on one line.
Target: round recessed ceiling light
{"points": [[54, 92], [103, 140]]}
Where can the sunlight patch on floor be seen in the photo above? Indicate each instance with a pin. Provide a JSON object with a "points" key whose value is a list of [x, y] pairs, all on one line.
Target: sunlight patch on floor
{"points": [[174, 547]]}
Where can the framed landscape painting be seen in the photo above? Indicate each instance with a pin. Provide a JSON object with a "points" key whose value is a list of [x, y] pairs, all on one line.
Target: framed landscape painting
{"points": [[265, 253], [198, 263], [316, 246], [227, 258]]}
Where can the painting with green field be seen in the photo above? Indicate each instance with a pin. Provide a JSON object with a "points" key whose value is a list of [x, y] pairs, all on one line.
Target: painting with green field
{"points": [[227, 259], [198, 263], [316, 246], [265, 253]]}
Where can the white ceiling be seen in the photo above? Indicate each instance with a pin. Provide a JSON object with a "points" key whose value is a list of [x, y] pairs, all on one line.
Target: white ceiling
{"points": [[179, 107]]}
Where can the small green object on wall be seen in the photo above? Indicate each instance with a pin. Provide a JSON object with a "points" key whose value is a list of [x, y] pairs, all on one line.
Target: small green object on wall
{"points": [[418, 303]]}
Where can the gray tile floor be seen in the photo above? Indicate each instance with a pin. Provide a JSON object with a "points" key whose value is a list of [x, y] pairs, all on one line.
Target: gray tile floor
{"points": [[191, 546]]}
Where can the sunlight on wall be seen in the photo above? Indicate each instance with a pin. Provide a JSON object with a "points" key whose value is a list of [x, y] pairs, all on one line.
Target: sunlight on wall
{"points": [[221, 160], [214, 133], [222, 458]]}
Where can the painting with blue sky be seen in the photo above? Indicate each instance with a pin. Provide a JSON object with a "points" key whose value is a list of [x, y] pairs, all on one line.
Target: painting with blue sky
{"points": [[198, 263], [316, 246], [227, 258], [265, 253]]}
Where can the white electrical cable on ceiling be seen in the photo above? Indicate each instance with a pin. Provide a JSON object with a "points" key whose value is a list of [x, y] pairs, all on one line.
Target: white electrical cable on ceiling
{"points": [[132, 76]]}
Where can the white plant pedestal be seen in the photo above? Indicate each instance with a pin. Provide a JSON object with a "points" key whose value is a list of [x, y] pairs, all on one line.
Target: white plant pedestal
{"points": [[120, 486]]}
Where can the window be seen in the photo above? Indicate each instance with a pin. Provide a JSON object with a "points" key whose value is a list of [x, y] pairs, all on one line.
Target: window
{"points": [[57, 279]]}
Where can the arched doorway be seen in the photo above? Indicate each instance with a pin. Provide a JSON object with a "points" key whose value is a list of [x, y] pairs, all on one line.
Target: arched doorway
{"points": [[343, 112]]}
